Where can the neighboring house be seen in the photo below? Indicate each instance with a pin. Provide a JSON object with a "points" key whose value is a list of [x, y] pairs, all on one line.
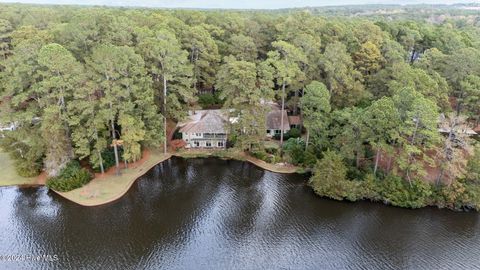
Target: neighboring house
{"points": [[466, 131], [274, 121], [205, 129], [209, 128], [460, 129], [8, 127], [295, 121]]}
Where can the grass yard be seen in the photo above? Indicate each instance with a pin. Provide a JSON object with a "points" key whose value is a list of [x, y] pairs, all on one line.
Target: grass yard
{"points": [[239, 155], [109, 187], [8, 175]]}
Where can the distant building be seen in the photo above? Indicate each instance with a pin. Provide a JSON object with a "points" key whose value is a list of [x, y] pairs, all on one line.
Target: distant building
{"points": [[205, 129], [466, 131], [8, 127], [460, 129]]}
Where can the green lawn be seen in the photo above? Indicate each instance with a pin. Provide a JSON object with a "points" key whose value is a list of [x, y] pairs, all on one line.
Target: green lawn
{"points": [[108, 188], [8, 175]]}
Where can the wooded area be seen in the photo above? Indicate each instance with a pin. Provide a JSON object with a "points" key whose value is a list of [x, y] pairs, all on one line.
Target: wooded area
{"points": [[373, 91]]}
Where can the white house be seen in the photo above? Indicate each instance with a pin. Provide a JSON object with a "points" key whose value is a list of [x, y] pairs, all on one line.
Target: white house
{"points": [[210, 128], [205, 129]]}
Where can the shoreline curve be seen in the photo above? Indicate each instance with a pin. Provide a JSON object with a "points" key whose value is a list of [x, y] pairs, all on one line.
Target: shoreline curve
{"points": [[75, 196]]}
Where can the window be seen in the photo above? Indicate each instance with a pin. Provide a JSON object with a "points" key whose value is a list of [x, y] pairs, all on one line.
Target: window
{"points": [[209, 144], [220, 144], [197, 144], [277, 131], [198, 134], [268, 131]]}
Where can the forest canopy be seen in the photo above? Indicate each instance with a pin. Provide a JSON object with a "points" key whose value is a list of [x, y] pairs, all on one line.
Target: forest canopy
{"points": [[373, 86]]}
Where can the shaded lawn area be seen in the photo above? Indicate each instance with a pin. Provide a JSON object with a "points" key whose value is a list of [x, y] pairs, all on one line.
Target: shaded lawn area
{"points": [[8, 175], [109, 187]]}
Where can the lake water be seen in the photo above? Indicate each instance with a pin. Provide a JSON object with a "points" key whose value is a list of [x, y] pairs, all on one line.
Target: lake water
{"points": [[217, 214]]}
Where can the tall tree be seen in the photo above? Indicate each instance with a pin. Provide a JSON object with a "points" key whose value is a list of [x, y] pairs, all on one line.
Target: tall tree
{"points": [[87, 120], [242, 47], [60, 77], [5, 41], [169, 67], [315, 105], [381, 120], [468, 100], [286, 59], [419, 133], [245, 86], [125, 92], [348, 132], [368, 59], [203, 54], [343, 81]]}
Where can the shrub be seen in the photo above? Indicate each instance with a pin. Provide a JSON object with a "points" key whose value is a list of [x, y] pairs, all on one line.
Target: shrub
{"points": [[273, 159], [329, 177], [73, 176], [471, 198], [295, 149], [369, 188], [261, 155], [277, 136], [26, 168], [271, 147], [398, 192], [293, 133], [310, 159], [473, 166], [177, 135], [459, 195]]}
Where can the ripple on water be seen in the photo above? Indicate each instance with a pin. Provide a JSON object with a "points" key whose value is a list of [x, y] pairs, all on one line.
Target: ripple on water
{"points": [[217, 214]]}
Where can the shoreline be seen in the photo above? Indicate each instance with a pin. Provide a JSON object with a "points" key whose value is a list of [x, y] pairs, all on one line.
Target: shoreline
{"points": [[241, 156], [91, 194], [117, 195], [155, 158]]}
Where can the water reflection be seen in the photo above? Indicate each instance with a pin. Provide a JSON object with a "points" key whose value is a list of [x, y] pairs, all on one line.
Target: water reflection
{"points": [[217, 214]]}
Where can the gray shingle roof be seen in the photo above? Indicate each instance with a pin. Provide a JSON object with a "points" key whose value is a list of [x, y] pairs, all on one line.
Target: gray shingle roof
{"points": [[205, 121], [274, 120]]}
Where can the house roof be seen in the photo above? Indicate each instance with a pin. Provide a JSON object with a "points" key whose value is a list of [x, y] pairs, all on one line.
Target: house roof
{"points": [[294, 120], [205, 121], [274, 120], [272, 104], [467, 131]]}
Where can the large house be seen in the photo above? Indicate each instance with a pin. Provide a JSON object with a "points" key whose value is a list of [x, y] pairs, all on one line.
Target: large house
{"points": [[205, 129], [209, 128]]}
